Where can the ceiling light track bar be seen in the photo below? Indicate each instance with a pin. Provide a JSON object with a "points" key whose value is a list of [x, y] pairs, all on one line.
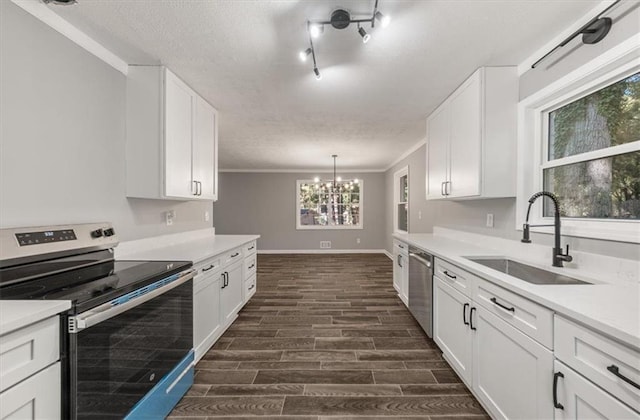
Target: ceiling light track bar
{"points": [[592, 32], [340, 19]]}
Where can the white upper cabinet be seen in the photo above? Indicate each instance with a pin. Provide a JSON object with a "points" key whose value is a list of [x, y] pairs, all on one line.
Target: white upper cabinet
{"points": [[171, 138], [471, 138]]}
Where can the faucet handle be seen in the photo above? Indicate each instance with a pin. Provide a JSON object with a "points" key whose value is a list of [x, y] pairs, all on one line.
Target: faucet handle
{"points": [[566, 257], [525, 234]]}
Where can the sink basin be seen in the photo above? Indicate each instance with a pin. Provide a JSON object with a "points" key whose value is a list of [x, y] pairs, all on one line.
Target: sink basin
{"points": [[526, 272]]}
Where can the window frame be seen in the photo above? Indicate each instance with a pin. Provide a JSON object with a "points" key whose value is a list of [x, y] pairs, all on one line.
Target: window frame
{"points": [[397, 176], [300, 226], [533, 132]]}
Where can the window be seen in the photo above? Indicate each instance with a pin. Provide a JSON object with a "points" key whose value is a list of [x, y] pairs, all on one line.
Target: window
{"points": [[329, 205], [579, 137], [401, 200], [593, 159]]}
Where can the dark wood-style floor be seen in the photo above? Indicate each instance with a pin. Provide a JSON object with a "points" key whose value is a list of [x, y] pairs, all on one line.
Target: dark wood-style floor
{"points": [[326, 337]]}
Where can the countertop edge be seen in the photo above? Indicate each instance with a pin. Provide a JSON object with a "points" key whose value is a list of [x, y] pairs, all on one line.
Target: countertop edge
{"points": [[17, 314]]}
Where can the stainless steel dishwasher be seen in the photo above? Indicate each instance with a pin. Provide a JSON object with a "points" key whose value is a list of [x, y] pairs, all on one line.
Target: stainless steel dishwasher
{"points": [[421, 288]]}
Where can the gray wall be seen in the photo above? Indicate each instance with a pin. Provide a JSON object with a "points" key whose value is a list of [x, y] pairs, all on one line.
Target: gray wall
{"points": [[62, 137], [265, 204]]}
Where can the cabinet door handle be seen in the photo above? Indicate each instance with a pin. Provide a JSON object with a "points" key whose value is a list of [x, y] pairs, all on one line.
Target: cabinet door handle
{"points": [[473, 309], [506, 308], [446, 187], [556, 404], [451, 276], [251, 266], [224, 279], [195, 186], [209, 268], [235, 255], [442, 188], [400, 261], [199, 188], [464, 313], [616, 371]]}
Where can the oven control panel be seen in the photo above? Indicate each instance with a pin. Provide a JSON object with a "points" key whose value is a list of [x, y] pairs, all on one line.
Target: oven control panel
{"points": [[45, 236]]}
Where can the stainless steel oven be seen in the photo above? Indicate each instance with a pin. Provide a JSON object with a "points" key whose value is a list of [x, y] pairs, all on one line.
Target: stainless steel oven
{"points": [[127, 351]]}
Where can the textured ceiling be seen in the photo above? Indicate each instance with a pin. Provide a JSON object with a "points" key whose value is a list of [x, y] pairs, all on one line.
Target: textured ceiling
{"points": [[371, 104]]}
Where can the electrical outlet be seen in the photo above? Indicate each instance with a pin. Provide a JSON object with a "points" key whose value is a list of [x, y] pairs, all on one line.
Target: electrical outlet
{"points": [[490, 220], [357, 240], [325, 244], [169, 216], [206, 216]]}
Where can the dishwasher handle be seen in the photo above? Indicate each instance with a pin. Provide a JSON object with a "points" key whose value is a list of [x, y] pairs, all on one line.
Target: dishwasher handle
{"points": [[420, 259]]}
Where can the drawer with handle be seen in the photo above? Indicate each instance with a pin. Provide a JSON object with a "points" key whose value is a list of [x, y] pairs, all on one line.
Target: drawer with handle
{"points": [[609, 364], [454, 276], [400, 247], [232, 256], [250, 265], [534, 320], [250, 287], [249, 249]]}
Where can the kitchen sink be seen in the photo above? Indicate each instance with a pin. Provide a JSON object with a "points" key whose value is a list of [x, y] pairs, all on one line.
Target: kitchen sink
{"points": [[525, 272]]}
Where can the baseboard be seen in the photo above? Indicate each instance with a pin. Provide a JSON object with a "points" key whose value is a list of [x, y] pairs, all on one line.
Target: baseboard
{"points": [[388, 254], [323, 251]]}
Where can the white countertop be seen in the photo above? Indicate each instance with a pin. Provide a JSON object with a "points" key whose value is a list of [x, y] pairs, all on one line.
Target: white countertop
{"points": [[610, 305], [196, 250], [16, 314]]}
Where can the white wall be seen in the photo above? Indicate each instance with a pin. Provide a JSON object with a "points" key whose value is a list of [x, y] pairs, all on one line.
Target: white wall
{"points": [[62, 137], [265, 204]]}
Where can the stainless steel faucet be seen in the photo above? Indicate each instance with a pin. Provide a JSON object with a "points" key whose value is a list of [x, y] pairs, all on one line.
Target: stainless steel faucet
{"points": [[558, 256]]}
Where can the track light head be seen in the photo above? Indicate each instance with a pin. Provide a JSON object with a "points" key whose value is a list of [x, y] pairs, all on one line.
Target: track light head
{"points": [[384, 20], [317, 73], [304, 55], [315, 29], [365, 36]]}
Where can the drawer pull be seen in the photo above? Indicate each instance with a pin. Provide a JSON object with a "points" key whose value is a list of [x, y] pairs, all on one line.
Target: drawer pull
{"points": [[556, 404], [495, 302], [235, 255], [252, 286], [471, 318], [400, 246], [451, 276], [464, 313], [251, 266], [250, 248], [614, 369], [209, 268]]}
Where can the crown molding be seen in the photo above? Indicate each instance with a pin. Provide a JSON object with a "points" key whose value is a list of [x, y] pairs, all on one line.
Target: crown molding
{"points": [[42, 12], [407, 153]]}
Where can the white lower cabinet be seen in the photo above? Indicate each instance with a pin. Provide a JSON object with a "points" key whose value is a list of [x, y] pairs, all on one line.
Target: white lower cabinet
{"points": [[37, 397], [578, 399], [508, 371], [511, 372], [220, 289], [401, 270], [207, 325], [231, 291], [451, 327]]}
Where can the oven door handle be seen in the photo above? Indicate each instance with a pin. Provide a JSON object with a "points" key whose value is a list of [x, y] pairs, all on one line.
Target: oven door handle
{"points": [[106, 311]]}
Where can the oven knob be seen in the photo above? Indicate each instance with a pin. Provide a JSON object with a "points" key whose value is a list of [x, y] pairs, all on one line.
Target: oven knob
{"points": [[97, 233], [109, 232]]}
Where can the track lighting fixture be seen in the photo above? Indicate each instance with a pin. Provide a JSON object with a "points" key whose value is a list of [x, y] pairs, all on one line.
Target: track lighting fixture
{"points": [[305, 54], [365, 36], [341, 19]]}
